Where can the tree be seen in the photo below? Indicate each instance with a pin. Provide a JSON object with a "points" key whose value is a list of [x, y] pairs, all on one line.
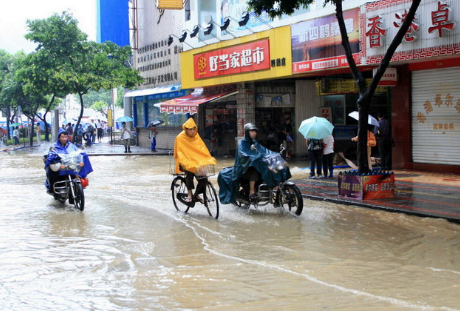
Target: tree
{"points": [[277, 8], [40, 82], [5, 62], [81, 65]]}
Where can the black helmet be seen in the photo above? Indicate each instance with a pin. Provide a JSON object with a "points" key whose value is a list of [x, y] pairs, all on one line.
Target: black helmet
{"points": [[250, 127]]}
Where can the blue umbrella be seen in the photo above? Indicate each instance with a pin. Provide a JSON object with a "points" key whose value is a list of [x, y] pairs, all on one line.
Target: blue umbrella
{"points": [[316, 128], [125, 119]]}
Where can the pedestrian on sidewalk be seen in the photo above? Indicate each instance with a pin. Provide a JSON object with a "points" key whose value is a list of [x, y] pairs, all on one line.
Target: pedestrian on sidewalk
{"points": [[39, 130], [371, 142], [328, 156], [126, 137], [315, 152], [16, 136], [153, 138], [383, 134], [2, 136]]}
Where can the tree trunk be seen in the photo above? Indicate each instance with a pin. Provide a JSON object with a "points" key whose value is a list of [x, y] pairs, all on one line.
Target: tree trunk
{"points": [[365, 93]]}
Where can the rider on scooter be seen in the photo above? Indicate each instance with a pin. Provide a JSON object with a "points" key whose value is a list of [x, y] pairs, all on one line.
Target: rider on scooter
{"points": [[62, 146], [250, 164]]}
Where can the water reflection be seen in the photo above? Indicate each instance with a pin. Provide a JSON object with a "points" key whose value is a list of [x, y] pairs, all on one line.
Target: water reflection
{"points": [[131, 250]]}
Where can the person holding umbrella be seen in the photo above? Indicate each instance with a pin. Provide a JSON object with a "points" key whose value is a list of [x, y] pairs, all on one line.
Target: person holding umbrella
{"points": [[153, 137], [314, 130], [126, 137]]}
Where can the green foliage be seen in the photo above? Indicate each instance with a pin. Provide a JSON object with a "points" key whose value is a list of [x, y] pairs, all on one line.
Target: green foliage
{"points": [[64, 61]]}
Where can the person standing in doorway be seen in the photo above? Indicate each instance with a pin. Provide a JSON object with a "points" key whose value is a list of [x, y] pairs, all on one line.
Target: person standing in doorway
{"points": [[383, 134], [288, 139], [126, 137]]}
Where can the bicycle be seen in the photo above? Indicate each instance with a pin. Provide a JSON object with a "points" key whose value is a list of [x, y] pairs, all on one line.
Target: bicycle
{"points": [[209, 196]]}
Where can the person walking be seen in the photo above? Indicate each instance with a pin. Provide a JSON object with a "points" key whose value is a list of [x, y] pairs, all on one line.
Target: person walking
{"points": [[2, 136], [16, 136], [383, 134], [100, 130], [126, 137], [39, 130], [328, 156], [69, 130], [153, 138], [315, 152]]}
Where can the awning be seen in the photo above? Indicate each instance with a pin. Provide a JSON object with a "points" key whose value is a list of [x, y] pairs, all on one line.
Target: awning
{"points": [[189, 104], [156, 90]]}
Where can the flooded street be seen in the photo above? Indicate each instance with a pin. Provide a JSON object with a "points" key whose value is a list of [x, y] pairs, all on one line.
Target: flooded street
{"points": [[131, 250]]}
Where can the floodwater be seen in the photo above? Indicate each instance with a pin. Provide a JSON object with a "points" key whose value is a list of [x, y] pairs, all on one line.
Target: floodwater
{"points": [[131, 250]]}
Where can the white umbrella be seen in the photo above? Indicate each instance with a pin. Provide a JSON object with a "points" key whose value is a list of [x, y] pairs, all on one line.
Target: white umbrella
{"points": [[370, 119]]}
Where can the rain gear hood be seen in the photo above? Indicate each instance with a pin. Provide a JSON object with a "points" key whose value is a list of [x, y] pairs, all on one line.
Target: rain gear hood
{"points": [[190, 151], [57, 149]]}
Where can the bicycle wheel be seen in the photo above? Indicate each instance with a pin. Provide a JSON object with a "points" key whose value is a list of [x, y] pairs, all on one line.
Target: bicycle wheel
{"points": [[211, 200], [79, 199], [292, 199], [179, 193]]}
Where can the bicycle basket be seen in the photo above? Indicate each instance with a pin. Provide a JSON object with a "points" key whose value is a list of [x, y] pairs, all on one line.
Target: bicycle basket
{"points": [[206, 170]]}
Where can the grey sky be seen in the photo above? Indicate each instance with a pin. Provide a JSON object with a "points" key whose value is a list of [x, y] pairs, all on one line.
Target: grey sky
{"points": [[14, 14]]}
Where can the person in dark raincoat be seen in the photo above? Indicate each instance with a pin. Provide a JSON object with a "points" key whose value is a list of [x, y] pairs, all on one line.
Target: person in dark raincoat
{"points": [[252, 161], [63, 146]]}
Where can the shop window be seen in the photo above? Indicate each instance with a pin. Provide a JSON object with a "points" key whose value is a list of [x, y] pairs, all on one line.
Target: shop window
{"points": [[154, 113], [336, 103]]}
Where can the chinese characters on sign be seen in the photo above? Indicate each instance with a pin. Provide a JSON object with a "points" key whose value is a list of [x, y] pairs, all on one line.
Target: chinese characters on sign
{"points": [[236, 59], [440, 20], [438, 102], [317, 43], [431, 33]]}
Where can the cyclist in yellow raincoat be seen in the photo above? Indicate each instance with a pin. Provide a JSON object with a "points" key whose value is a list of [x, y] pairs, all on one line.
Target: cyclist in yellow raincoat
{"points": [[191, 152]]}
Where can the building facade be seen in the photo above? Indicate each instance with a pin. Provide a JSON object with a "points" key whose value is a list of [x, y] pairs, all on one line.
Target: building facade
{"points": [[294, 67]]}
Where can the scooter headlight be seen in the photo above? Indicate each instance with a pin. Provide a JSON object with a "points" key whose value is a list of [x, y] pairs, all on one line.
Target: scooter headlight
{"points": [[55, 166]]}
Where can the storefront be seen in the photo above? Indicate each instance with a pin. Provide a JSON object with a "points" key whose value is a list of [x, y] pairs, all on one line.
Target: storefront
{"points": [[426, 110], [240, 63]]}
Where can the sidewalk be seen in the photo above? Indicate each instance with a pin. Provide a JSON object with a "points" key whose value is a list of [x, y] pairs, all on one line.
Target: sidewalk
{"points": [[424, 194]]}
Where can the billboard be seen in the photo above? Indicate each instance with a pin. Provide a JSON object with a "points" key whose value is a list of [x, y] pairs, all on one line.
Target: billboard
{"points": [[113, 21]]}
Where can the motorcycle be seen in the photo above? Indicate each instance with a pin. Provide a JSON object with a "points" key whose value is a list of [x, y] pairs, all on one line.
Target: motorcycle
{"points": [[284, 194], [64, 182]]}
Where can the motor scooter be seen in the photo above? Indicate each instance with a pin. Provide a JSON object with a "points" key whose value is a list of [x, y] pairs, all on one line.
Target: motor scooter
{"points": [[63, 180], [284, 194]]}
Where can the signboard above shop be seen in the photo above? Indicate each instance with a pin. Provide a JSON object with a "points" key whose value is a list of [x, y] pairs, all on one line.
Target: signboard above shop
{"points": [[248, 57], [317, 43], [433, 33]]}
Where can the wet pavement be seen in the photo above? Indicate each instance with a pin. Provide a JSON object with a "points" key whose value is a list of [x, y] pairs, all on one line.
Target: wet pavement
{"points": [[425, 194]]}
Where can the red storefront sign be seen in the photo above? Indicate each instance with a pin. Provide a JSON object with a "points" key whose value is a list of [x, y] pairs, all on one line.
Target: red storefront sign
{"points": [[432, 33], [241, 58]]}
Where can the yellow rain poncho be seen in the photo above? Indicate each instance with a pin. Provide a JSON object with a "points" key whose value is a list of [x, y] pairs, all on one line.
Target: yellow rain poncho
{"points": [[191, 152]]}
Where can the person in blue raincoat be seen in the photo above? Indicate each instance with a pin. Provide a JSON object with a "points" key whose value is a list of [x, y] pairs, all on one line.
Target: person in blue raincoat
{"points": [[63, 146], [251, 162]]}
